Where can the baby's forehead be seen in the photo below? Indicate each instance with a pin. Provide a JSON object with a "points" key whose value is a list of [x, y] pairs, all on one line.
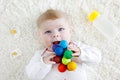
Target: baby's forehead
{"points": [[57, 21], [54, 23]]}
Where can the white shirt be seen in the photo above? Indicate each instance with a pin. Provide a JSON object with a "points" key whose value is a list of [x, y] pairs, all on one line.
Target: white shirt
{"points": [[38, 70]]}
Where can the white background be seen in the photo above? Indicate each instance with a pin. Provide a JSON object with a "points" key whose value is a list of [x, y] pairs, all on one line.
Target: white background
{"points": [[22, 15]]}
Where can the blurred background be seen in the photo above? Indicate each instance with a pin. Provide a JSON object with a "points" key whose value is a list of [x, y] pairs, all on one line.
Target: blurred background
{"points": [[19, 39]]}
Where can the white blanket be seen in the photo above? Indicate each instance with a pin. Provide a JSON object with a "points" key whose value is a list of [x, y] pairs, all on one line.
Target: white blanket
{"points": [[19, 39]]}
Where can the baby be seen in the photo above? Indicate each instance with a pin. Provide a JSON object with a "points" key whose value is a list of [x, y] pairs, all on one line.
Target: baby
{"points": [[53, 27]]}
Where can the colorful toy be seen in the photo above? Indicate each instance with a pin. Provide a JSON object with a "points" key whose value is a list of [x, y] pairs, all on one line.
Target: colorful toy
{"points": [[54, 46], [71, 66], [65, 61], [63, 44], [62, 67], [68, 54], [57, 59], [63, 56], [59, 51]]}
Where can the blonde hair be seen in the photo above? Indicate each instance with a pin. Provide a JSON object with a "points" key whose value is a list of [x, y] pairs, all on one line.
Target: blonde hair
{"points": [[50, 15]]}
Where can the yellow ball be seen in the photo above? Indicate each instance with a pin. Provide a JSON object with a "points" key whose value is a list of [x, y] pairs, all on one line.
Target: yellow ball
{"points": [[72, 66]]}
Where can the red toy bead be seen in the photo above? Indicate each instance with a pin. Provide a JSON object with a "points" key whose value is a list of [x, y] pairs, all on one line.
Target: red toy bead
{"points": [[57, 59], [62, 67]]}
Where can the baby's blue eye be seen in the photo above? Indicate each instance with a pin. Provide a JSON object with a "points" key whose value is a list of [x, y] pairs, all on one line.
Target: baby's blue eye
{"points": [[60, 29], [48, 32]]}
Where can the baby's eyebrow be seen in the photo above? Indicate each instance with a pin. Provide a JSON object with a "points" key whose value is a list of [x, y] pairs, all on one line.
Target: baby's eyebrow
{"points": [[60, 25], [46, 29]]}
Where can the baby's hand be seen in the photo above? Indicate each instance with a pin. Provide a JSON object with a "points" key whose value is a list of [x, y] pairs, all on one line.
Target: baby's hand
{"points": [[75, 49], [48, 59]]}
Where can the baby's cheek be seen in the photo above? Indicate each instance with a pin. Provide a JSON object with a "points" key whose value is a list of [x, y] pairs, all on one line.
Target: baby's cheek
{"points": [[46, 40], [66, 34]]}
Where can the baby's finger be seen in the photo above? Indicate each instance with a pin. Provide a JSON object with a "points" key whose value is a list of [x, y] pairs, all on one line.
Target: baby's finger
{"points": [[52, 55], [75, 54], [73, 50], [70, 48], [52, 62]]}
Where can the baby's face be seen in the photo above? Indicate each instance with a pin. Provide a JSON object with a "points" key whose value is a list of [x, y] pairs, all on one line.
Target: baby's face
{"points": [[53, 31]]}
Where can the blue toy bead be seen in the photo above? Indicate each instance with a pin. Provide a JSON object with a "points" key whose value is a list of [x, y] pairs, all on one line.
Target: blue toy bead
{"points": [[54, 47], [59, 51], [63, 43]]}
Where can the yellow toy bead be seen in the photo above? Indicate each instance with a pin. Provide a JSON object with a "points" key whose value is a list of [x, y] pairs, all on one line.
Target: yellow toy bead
{"points": [[93, 16], [72, 66]]}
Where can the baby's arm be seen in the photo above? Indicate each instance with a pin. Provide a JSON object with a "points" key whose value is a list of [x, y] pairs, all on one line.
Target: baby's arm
{"points": [[90, 55], [37, 69], [85, 54]]}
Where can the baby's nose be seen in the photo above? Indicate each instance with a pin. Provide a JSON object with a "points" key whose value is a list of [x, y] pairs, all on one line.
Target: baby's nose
{"points": [[55, 35]]}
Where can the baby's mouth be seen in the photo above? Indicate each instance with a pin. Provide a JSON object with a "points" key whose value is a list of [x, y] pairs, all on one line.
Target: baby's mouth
{"points": [[56, 42]]}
